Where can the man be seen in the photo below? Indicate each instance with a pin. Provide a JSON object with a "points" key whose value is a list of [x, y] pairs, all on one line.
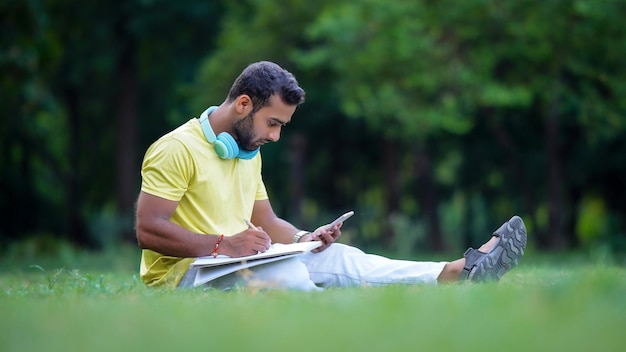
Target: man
{"points": [[200, 181]]}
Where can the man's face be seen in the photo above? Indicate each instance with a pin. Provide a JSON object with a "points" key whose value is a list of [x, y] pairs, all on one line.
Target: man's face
{"points": [[264, 126], [244, 132]]}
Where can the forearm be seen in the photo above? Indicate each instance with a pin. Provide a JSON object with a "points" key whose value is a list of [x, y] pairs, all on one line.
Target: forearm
{"points": [[170, 239], [279, 230]]}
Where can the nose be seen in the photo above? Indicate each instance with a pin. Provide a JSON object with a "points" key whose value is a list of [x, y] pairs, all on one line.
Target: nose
{"points": [[274, 136]]}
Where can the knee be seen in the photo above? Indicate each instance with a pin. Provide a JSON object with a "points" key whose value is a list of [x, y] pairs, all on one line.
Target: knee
{"points": [[288, 274]]}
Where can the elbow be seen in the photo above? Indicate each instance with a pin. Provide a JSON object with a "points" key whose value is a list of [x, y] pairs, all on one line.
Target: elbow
{"points": [[141, 242], [142, 236]]}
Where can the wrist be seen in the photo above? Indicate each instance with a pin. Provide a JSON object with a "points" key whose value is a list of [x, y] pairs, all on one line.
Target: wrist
{"points": [[216, 247], [299, 235]]}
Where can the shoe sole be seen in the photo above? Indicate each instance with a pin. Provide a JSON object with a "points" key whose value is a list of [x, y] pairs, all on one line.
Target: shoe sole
{"points": [[505, 255]]}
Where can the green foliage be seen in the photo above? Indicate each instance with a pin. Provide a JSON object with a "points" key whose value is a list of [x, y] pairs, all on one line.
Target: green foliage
{"points": [[275, 26], [518, 106], [390, 67], [592, 221], [420, 71], [60, 80]]}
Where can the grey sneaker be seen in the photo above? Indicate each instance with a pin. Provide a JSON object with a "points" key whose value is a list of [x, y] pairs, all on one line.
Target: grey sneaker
{"points": [[503, 257]]}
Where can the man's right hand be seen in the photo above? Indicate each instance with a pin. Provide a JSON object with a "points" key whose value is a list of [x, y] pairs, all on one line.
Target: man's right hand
{"points": [[248, 242]]}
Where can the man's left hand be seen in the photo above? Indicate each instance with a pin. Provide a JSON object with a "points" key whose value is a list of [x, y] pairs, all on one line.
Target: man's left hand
{"points": [[327, 237]]}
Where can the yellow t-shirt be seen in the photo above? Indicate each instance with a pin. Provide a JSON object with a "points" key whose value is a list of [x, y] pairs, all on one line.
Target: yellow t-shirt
{"points": [[213, 195]]}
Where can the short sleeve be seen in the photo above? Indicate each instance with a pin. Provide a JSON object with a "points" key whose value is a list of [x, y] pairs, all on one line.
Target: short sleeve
{"points": [[167, 169]]}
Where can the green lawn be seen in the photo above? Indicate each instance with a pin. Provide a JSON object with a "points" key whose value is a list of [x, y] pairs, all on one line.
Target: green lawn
{"points": [[542, 305]]}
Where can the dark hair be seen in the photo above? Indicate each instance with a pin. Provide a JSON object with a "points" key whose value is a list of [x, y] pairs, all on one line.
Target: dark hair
{"points": [[263, 79]]}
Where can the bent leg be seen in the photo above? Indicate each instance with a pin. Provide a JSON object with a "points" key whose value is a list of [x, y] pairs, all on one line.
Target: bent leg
{"points": [[283, 274]]}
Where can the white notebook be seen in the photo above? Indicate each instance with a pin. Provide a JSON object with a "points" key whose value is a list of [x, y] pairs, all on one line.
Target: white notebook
{"points": [[210, 268]]}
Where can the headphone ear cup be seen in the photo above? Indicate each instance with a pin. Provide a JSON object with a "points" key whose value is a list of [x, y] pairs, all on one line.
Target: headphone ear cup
{"points": [[226, 146], [221, 149]]}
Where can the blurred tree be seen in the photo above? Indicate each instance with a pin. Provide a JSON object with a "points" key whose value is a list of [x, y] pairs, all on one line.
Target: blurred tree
{"points": [[34, 131], [421, 71], [426, 117], [66, 70], [550, 70], [394, 70]]}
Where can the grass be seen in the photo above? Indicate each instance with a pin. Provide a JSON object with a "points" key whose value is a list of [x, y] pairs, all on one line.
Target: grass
{"points": [[543, 305]]}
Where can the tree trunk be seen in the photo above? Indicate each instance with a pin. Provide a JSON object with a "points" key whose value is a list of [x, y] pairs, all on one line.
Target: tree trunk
{"points": [[297, 159], [554, 158], [126, 134], [429, 199], [77, 228], [516, 168], [391, 177]]}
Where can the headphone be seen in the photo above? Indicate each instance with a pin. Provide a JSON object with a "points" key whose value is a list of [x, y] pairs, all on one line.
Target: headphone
{"points": [[225, 145]]}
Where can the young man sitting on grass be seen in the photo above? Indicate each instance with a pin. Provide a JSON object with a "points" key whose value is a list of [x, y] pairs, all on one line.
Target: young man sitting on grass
{"points": [[202, 179]]}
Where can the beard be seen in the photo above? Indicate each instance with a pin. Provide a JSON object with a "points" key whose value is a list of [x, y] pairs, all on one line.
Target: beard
{"points": [[244, 131]]}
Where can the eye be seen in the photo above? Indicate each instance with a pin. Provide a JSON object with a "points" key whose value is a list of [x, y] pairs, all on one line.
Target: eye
{"points": [[275, 123]]}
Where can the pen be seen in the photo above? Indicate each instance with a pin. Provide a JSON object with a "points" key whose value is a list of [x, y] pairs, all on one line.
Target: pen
{"points": [[249, 224]]}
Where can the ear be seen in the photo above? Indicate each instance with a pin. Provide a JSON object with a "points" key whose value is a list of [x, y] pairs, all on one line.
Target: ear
{"points": [[243, 104]]}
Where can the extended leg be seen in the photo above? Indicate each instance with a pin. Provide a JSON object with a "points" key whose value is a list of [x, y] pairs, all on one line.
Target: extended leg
{"points": [[344, 266], [489, 263], [452, 271]]}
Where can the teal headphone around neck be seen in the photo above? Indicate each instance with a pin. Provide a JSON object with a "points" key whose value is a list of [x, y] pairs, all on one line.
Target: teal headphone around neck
{"points": [[224, 144]]}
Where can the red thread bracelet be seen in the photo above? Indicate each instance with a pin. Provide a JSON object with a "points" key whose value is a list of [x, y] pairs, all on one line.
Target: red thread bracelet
{"points": [[217, 245]]}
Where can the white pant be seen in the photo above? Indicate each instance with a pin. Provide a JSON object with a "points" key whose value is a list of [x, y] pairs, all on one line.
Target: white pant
{"points": [[283, 274], [337, 266], [342, 266]]}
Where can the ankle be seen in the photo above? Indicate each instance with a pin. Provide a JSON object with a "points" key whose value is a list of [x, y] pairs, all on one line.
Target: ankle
{"points": [[451, 271]]}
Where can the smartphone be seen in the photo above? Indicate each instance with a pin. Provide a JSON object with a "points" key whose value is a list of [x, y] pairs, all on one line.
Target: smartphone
{"points": [[342, 218]]}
